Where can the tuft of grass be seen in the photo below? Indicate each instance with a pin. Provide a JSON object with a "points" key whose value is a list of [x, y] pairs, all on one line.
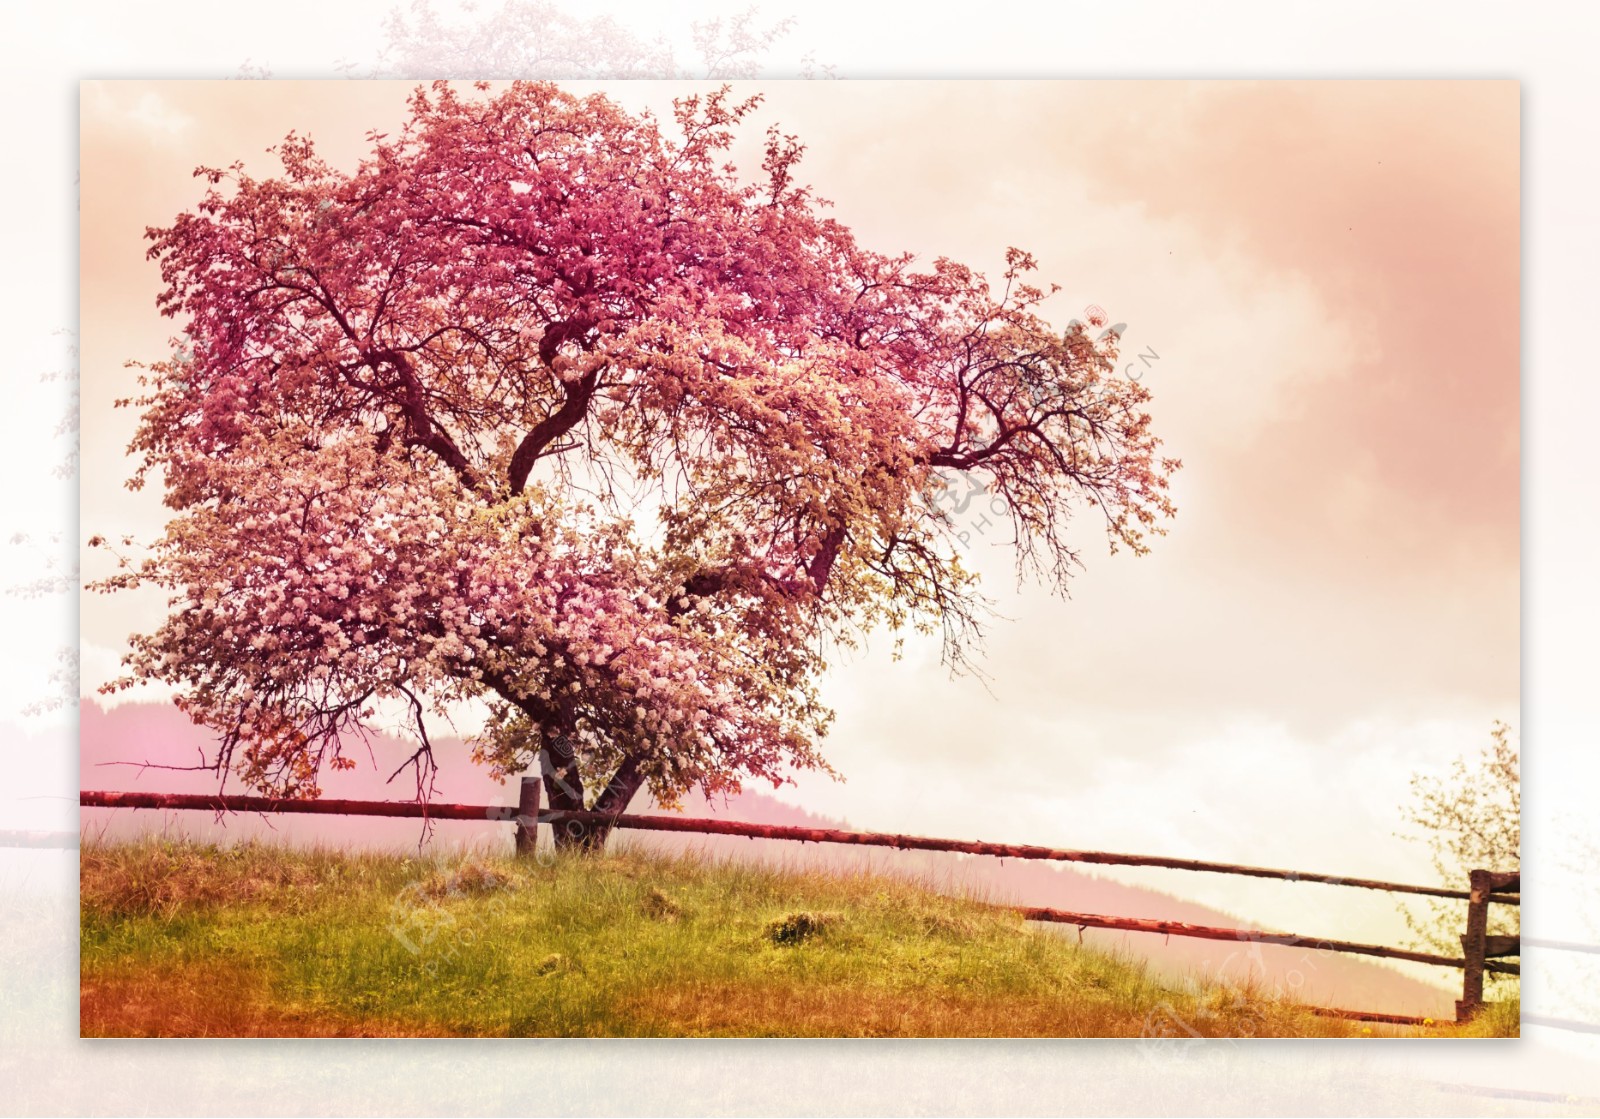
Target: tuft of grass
{"points": [[161, 878], [797, 928], [661, 907], [1502, 1018], [553, 964], [471, 879], [257, 940]]}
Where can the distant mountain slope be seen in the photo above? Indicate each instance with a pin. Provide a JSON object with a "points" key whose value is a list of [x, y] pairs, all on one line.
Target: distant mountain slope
{"points": [[135, 733]]}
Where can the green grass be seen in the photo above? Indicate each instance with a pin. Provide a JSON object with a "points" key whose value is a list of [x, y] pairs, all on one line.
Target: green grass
{"points": [[181, 939]]}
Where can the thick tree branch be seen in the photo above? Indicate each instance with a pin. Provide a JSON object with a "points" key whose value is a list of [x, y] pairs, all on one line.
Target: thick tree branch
{"points": [[579, 394], [551, 428], [421, 429]]}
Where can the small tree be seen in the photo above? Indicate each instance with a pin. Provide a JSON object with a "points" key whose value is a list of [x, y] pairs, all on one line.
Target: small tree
{"points": [[540, 408], [1471, 820]]}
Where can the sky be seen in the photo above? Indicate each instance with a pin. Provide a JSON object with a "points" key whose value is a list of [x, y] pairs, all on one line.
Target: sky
{"points": [[1320, 286], [50, 47]]}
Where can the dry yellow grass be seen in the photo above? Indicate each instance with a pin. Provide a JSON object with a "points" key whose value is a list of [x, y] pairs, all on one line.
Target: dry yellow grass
{"points": [[211, 1000]]}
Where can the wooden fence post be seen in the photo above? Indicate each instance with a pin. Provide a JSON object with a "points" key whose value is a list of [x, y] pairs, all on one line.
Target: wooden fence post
{"points": [[1474, 946], [528, 814]]}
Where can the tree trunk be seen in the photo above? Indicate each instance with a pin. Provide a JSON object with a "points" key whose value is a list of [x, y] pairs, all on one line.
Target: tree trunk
{"points": [[591, 835], [614, 801], [563, 786]]}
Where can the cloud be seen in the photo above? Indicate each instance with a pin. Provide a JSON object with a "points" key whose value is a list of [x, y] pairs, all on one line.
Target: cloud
{"points": [[135, 105]]}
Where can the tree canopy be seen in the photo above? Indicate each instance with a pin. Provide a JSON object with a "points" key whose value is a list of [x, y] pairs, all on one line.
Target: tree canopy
{"points": [[546, 405]]}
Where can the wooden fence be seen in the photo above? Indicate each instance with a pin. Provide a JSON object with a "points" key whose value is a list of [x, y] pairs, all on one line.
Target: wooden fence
{"points": [[1481, 953]]}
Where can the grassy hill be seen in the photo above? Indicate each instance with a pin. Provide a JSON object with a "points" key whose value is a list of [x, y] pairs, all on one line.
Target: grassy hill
{"points": [[160, 732], [193, 940]]}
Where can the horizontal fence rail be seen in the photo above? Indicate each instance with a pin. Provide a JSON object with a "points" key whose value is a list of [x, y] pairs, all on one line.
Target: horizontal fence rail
{"points": [[1371, 1016], [48, 840], [505, 813], [998, 850], [1560, 945], [1254, 936], [1529, 1094], [1561, 1024], [402, 809]]}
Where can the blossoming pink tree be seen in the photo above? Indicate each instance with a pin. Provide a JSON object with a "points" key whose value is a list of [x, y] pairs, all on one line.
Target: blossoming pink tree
{"points": [[546, 408]]}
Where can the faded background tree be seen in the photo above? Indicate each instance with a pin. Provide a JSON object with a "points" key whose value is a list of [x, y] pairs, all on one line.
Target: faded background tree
{"points": [[54, 563], [1471, 819], [535, 39], [546, 409]]}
